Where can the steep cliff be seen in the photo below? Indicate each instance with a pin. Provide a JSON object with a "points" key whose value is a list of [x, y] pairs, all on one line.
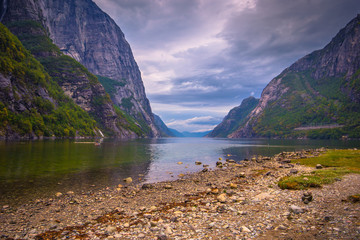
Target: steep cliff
{"points": [[235, 118], [322, 88], [83, 31], [164, 130], [32, 105], [87, 34]]}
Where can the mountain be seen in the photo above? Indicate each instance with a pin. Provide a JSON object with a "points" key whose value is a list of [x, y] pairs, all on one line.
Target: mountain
{"points": [[316, 97], [32, 104], [83, 31], [235, 118], [176, 133], [164, 130], [195, 134]]}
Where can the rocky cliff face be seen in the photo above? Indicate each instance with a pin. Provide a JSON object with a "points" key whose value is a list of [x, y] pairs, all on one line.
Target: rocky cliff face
{"points": [[81, 30], [32, 105], [164, 130], [322, 87], [235, 118]]}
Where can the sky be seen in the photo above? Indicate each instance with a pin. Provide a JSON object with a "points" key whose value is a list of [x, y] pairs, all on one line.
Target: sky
{"points": [[201, 58]]}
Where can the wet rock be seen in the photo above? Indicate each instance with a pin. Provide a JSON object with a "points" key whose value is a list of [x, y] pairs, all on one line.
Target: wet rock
{"points": [[205, 170], [128, 180], [58, 194], [198, 163], [179, 163], [218, 164], [147, 186]]}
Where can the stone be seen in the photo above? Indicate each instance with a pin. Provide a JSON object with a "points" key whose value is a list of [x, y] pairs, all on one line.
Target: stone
{"points": [[162, 237], [307, 197], [205, 170], [222, 198], [179, 163], [295, 209], [198, 163], [294, 171], [128, 180], [147, 186], [241, 175], [168, 186], [110, 229], [245, 229], [319, 166], [281, 227], [233, 185], [58, 194]]}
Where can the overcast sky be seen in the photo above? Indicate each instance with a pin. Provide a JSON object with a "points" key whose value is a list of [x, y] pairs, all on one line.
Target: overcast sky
{"points": [[200, 58]]}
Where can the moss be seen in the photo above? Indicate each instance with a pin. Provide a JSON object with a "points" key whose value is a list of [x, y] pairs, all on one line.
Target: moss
{"points": [[337, 163]]}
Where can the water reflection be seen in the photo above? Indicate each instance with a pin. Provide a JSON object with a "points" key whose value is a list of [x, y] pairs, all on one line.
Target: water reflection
{"points": [[30, 170]]}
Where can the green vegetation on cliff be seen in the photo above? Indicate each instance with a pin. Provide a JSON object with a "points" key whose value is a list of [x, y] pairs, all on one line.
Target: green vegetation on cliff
{"points": [[31, 103]]}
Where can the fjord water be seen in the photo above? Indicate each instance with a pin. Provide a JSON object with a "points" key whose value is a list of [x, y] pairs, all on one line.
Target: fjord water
{"points": [[36, 169]]}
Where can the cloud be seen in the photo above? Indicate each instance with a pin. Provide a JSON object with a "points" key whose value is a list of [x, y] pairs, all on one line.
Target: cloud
{"points": [[195, 124], [210, 54]]}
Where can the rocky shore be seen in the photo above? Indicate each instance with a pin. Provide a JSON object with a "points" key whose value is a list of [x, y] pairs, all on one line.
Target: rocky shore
{"points": [[235, 201]]}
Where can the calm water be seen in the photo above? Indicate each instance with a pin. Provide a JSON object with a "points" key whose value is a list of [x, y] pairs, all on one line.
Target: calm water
{"points": [[31, 170]]}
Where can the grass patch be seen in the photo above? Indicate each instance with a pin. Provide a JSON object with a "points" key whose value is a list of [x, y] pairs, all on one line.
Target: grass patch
{"points": [[337, 163]]}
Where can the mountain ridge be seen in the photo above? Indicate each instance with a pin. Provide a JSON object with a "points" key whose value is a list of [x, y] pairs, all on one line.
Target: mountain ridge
{"points": [[322, 87], [83, 31]]}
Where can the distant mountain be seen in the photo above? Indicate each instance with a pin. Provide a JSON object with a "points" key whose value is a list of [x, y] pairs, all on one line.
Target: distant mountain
{"points": [[235, 118], [195, 134], [188, 134], [81, 30], [176, 133], [316, 97], [164, 130]]}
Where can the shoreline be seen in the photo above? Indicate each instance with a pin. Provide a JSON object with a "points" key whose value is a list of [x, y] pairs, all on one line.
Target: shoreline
{"points": [[239, 201]]}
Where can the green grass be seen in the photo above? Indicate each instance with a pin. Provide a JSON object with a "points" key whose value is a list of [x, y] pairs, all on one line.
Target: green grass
{"points": [[336, 164]]}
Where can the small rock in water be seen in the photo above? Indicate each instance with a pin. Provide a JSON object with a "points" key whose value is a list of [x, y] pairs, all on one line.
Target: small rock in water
{"points": [[128, 180], [205, 165], [58, 194], [179, 163], [218, 164], [147, 186], [205, 170], [198, 163]]}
